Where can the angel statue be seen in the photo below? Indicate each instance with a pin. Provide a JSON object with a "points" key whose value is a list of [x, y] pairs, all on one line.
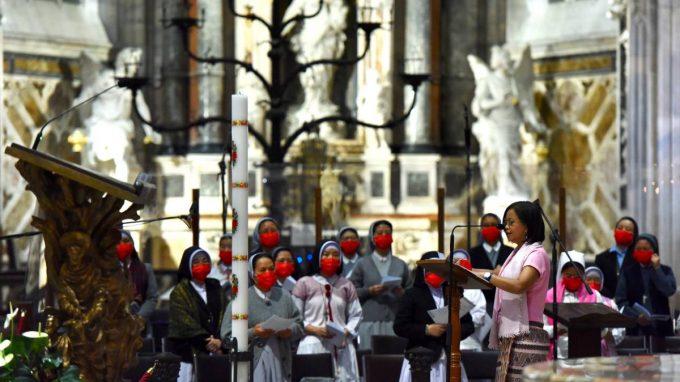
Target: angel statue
{"points": [[108, 124], [315, 38], [503, 101]]}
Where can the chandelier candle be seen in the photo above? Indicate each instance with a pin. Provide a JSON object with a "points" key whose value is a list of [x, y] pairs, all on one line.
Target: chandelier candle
{"points": [[239, 226]]}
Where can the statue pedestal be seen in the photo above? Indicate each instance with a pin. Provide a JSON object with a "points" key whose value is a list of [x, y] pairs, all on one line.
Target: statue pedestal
{"points": [[498, 203], [418, 183], [378, 180]]}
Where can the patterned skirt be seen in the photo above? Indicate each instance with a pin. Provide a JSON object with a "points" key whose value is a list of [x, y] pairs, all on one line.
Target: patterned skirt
{"points": [[519, 351]]}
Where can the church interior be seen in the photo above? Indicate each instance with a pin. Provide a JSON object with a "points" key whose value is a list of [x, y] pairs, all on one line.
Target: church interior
{"points": [[181, 123]]}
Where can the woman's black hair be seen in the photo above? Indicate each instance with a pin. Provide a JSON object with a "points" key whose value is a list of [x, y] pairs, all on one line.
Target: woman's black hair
{"points": [[316, 258], [277, 250], [252, 261], [529, 214], [489, 215], [636, 230]]}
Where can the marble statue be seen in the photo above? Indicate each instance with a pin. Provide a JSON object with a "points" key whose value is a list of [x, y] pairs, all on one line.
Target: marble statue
{"points": [[319, 37], [503, 103], [108, 124], [374, 107]]}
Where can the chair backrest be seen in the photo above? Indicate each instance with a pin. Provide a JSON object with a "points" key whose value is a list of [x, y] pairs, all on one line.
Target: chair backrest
{"points": [[633, 345], [312, 365], [159, 321], [360, 359], [480, 365], [212, 368], [148, 345], [382, 367], [388, 345]]}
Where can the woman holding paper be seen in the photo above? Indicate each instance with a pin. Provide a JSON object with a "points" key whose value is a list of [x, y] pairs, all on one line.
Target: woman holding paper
{"points": [[331, 311], [269, 309], [648, 284], [284, 266], [415, 323], [517, 328], [380, 279], [196, 309]]}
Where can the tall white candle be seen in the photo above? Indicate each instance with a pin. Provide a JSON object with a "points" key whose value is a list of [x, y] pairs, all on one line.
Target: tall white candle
{"points": [[239, 194]]}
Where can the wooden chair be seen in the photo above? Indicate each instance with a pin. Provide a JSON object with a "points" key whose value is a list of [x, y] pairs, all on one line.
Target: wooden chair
{"points": [[212, 368], [480, 365], [312, 365], [388, 345], [382, 367]]}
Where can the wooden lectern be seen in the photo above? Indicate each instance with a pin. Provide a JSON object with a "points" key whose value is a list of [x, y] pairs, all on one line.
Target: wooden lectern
{"points": [[462, 278], [585, 322], [80, 211]]}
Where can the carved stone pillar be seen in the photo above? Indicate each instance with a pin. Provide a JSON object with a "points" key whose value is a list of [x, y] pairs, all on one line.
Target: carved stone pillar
{"points": [[421, 360], [417, 59], [653, 169], [210, 78]]}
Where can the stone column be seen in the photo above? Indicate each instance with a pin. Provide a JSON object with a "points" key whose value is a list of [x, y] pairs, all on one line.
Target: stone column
{"points": [[209, 138], [417, 59], [653, 168]]}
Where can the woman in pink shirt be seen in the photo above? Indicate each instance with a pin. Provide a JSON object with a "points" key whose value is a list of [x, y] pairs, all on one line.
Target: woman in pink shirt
{"points": [[521, 285]]}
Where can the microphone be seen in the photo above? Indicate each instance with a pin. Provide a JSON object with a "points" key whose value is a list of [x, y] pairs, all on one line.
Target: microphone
{"points": [[38, 137]]}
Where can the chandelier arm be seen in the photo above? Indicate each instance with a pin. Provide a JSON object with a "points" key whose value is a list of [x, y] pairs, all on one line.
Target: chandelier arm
{"points": [[307, 126], [259, 138], [251, 17], [212, 60], [301, 16], [326, 61]]}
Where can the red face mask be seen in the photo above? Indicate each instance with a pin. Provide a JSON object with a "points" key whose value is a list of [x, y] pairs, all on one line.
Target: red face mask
{"points": [[572, 284], [226, 257], [434, 279], [465, 263], [123, 250], [270, 239], [266, 280], [491, 234], [595, 285], [643, 256], [623, 238], [349, 247], [200, 271], [329, 265], [383, 242], [284, 269]]}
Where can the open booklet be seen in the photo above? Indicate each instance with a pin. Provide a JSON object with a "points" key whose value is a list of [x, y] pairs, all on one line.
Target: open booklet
{"points": [[277, 323], [391, 281], [441, 315], [338, 331], [637, 309]]}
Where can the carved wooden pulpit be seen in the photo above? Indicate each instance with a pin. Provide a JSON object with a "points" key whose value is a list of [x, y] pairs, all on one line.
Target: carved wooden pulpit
{"points": [[80, 211], [462, 278]]}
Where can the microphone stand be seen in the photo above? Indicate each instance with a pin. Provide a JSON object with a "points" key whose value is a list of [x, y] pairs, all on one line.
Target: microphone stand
{"points": [[555, 239], [468, 172], [38, 137], [449, 334]]}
